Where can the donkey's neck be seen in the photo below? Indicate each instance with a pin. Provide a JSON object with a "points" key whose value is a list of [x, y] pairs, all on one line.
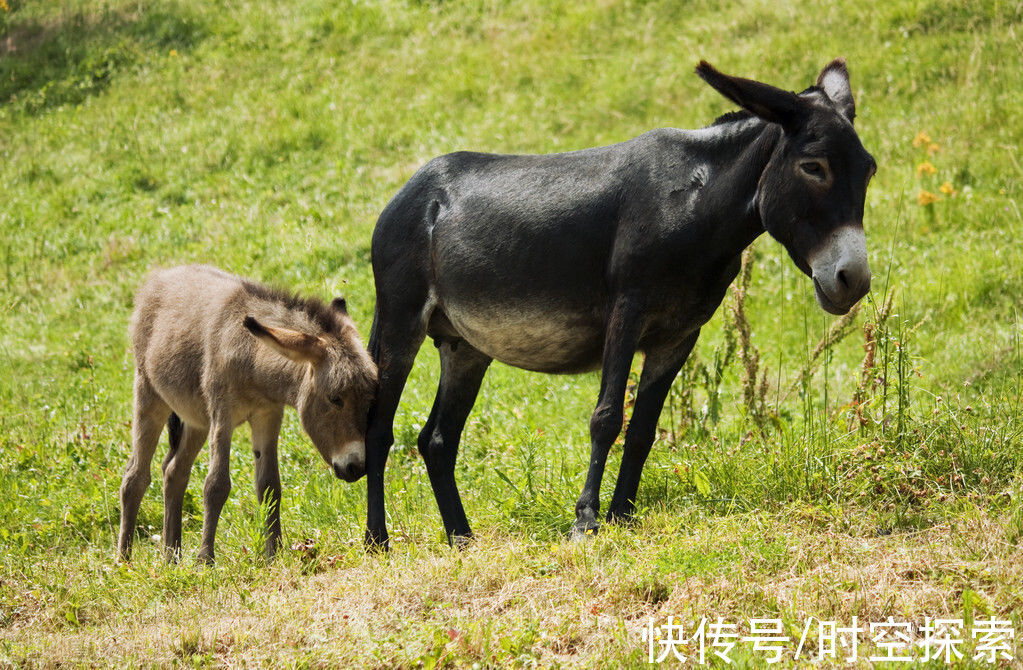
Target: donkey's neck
{"points": [[736, 152]]}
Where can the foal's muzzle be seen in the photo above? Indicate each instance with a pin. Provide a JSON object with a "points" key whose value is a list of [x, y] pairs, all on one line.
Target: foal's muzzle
{"points": [[351, 466], [841, 274]]}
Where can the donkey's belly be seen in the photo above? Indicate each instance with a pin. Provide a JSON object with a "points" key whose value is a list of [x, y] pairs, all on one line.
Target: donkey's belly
{"points": [[531, 338]]}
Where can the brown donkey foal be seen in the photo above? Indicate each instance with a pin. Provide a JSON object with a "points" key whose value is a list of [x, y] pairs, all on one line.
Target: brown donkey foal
{"points": [[212, 351]]}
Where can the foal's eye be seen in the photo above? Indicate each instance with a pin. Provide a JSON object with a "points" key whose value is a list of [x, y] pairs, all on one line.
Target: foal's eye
{"points": [[337, 401]]}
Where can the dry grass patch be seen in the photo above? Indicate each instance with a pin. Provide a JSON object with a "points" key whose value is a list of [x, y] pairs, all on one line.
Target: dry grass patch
{"points": [[511, 601]]}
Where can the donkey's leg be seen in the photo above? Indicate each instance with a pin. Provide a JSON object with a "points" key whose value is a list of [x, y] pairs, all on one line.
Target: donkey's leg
{"points": [[150, 412], [217, 485], [393, 344], [266, 428], [176, 472], [606, 422], [659, 371], [461, 372]]}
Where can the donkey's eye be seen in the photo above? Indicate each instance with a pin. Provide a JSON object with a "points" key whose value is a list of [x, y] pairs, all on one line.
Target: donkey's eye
{"points": [[337, 401], [815, 169]]}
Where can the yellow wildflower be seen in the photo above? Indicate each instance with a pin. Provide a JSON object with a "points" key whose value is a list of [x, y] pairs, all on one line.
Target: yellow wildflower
{"points": [[921, 139], [933, 148], [927, 198], [173, 53], [947, 189], [925, 168], [4, 6]]}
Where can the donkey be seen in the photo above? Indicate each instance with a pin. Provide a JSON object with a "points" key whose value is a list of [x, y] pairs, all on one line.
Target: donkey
{"points": [[212, 351], [568, 262]]}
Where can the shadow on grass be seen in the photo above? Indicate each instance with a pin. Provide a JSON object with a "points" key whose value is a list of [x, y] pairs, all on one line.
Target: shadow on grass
{"points": [[64, 59]]}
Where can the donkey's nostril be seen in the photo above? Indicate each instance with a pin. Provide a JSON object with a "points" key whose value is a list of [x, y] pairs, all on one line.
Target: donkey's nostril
{"points": [[852, 281], [338, 472]]}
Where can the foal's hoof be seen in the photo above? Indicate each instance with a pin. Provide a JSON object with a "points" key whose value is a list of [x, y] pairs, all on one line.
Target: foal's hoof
{"points": [[584, 531]]}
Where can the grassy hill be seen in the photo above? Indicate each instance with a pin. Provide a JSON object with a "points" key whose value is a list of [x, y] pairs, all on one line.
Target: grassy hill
{"points": [[872, 468]]}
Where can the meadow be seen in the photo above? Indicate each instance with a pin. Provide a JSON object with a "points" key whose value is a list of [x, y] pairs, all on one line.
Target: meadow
{"points": [[807, 468]]}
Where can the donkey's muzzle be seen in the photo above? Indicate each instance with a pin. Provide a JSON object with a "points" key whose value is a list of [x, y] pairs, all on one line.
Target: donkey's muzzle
{"points": [[841, 274]]}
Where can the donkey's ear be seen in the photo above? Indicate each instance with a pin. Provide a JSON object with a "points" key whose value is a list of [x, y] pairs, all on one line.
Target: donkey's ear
{"points": [[766, 101], [834, 81], [339, 305], [292, 344]]}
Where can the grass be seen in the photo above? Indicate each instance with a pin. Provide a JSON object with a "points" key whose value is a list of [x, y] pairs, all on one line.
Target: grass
{"points": [[877, 474]]}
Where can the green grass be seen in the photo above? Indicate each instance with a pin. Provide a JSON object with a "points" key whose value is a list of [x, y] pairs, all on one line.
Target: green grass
{"points": [[265, 138]]}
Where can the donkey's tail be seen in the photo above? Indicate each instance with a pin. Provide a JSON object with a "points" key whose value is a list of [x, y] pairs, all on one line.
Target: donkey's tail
{"points": [[374, 336], [400, 251], [175, 427]]}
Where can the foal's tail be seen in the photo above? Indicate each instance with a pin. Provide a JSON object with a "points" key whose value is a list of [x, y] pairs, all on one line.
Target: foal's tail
{"points": [[175, 427]]}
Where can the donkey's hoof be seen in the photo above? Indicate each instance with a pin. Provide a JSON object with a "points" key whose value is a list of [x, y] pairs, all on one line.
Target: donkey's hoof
{"points": [[272, 548], [376, 543], [622, 517], [584, 531], [461, 542]]}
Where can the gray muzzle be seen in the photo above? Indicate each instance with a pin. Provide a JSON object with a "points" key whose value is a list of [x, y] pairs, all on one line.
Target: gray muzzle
{"points": [[841, 274]]}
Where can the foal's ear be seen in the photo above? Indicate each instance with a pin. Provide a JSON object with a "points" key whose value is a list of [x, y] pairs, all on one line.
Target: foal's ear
{"points": [[766, 101], [292, 344], [834, 81], [339, 305]]}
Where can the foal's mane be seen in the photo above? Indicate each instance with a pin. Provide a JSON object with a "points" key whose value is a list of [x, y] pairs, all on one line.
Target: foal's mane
{"points": [[320, 314]]}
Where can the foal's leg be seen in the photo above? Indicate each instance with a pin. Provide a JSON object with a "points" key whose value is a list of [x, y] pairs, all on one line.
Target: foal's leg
{"points": [[266, 428], [659, 371], [461, 372], [393, 344], [217, 485], [175, 426], [606, 422], [150, 412], [176, 472]]}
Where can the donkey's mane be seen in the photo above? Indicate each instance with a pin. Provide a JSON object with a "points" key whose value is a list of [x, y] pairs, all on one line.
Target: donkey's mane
{"points": [[731, 117], [742, 114], [319, 313]]}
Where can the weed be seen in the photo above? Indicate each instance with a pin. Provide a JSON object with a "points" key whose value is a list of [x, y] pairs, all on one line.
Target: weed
{"points": [[754, 387], [799, 471]]}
